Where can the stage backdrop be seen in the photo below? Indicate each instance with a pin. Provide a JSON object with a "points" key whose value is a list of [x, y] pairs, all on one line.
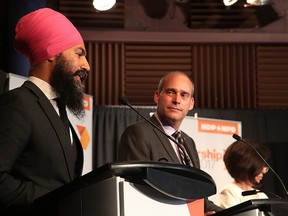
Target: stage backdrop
{"points": [[212, 137], [83, 127]]}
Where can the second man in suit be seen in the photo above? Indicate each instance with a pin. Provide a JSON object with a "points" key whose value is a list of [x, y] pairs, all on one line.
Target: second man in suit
{"points": [[142, 142]]}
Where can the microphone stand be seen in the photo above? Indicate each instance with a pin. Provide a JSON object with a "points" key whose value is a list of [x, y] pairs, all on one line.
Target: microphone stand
{"points": [[124, 101], [238, 138]]}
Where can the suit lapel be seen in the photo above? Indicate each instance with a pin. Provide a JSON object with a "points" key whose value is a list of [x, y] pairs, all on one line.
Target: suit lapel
{"points": [[55, 121], [80, 159], [189, 145], [164, 141]]}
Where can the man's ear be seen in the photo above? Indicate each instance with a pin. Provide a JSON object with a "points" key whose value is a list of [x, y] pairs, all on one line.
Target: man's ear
{"points": [[191, 106], [156, 96], [52, 59]]}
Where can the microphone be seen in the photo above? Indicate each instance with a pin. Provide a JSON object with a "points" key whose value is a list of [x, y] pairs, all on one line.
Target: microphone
{"points": [[238, 138], [249, 192], [252, 192], [124, 101]]}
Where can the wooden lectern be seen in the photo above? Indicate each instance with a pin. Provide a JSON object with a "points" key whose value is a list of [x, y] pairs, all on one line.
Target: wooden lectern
{"points": [[129, 189]]}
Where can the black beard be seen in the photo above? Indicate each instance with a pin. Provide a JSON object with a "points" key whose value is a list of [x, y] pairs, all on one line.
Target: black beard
{"points": [[70, 92]]}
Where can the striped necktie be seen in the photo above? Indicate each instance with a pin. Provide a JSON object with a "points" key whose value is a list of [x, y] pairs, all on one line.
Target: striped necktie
{"points": [[182, 151]]}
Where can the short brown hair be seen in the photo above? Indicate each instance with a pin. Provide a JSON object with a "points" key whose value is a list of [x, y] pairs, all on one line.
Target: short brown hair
{"points": [[243, 163]]}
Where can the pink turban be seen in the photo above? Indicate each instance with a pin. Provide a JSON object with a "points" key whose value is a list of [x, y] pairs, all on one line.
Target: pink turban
{"points": [[45, 33]]}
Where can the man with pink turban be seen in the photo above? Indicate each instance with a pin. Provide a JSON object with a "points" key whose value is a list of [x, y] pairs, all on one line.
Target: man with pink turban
{"points": [[39, 149]]}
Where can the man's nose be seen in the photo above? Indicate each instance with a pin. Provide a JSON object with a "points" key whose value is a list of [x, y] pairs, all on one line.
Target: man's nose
{"points": [[85, 65], [176, 98]]}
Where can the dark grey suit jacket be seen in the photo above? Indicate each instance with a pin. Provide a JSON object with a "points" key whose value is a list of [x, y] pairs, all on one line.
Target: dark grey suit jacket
{"points": [[141, 141], [36, 155]]}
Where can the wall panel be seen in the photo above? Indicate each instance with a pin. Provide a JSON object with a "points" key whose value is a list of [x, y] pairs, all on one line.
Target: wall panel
{"points": [[229, 76], [224, 75], [272, 76], [145, 64], [105, 80]]}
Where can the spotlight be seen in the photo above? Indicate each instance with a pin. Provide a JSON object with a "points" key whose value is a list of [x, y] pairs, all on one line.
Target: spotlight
{"points": [[103, 5], [229, 2], [248, 2], [256, 3]]}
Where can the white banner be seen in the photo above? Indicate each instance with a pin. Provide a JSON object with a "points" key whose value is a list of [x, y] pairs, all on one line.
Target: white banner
{"points": [[212, 137], [83, 129]]}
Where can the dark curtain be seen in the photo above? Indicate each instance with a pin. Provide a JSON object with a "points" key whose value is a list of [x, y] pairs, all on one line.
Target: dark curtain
{"points": [[109, 123], [268, 127]]}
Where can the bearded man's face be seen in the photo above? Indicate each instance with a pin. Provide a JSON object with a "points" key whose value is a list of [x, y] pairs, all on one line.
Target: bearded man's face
{"points": [[68, 84]]}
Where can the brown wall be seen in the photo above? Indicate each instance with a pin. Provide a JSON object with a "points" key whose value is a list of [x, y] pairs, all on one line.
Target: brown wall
{"points": [[239, 67], [243, 66], [232, 76]]}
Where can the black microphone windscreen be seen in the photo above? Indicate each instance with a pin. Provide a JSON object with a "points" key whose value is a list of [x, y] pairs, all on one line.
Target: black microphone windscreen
{"points": [[123, 100], [250, 192], [235, 136]]}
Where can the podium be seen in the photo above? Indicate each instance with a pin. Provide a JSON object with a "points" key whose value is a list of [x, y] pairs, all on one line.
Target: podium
{"points": [[257, 207], [133, 188]]}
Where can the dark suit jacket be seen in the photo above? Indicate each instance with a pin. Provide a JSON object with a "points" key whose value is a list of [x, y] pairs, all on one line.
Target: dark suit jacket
{"points": [[141, 141], [36, 155]]}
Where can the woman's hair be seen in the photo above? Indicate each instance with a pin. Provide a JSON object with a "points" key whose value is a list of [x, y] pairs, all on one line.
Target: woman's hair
{"points": [[243, 163]]}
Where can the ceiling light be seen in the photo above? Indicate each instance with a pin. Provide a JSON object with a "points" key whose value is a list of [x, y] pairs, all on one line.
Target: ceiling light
{"points": [[256, 2], [229, 2], [103, 5], [248, 2]]}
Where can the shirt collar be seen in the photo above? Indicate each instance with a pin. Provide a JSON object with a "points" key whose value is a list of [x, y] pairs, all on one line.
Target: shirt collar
{"points": [[45, 87], [168, 129]]}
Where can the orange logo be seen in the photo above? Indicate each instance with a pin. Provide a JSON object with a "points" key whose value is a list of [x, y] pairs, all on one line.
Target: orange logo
{"points": [[87, 102], [220, 127], [84, 136]]}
